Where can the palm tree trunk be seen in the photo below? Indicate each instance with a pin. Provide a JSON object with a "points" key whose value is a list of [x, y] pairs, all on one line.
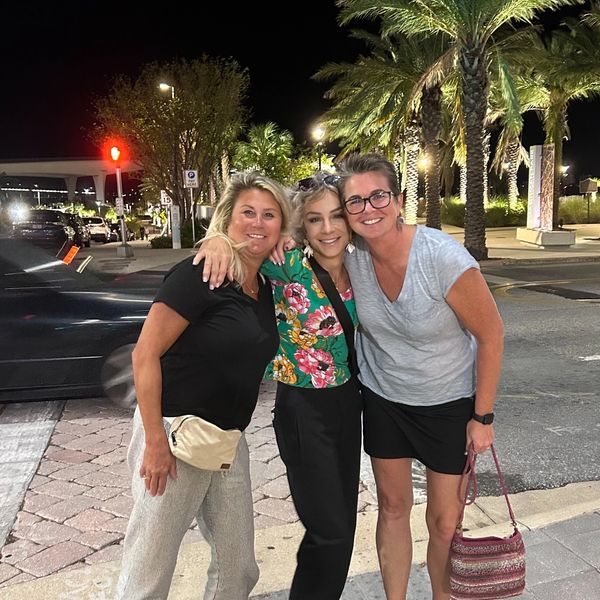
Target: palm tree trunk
{"points": [[412, 174], [486, 162], [512, 158], [463, 184], [555, 136], [448, 180], [475, 89], [431, 124]]}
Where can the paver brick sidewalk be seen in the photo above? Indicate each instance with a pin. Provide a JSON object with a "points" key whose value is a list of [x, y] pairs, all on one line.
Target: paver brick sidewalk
{"points": [[76, 508]]}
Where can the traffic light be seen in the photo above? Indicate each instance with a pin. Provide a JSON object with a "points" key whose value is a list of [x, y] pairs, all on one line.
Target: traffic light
{"points": [[114, 150]]}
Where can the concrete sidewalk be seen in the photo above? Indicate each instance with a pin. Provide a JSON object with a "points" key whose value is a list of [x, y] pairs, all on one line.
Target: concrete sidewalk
{"points": [[66, 539]]}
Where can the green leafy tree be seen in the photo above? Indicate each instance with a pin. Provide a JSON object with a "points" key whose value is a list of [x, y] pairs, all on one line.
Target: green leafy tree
{"points": [[189, 128], [471, 25]]}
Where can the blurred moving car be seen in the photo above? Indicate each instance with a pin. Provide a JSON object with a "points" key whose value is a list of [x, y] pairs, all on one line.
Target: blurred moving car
{"points": [[82, 232], [99, 230], [65, 334], [47, 228]]}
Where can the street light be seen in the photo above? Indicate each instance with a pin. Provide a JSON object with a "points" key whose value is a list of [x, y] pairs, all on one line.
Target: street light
{"points": [[318, 133], [175, 217], [124, 250], [423, 162], [165, 87]]}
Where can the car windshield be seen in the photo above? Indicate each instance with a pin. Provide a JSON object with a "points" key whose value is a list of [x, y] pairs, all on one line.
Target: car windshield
{"points": [[93, 220]]}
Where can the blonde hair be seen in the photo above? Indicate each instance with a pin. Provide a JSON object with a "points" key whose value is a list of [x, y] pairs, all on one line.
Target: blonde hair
{"points": [[219, 224]]}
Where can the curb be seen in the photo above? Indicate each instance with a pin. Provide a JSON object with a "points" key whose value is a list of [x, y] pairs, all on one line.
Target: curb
{"points": [[541, 260]]}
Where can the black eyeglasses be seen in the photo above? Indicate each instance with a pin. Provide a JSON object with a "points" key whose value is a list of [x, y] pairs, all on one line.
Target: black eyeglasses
{"points": [[315, 181], [357, 204]]}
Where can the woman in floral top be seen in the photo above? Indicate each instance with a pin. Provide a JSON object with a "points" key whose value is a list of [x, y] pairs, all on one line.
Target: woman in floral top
{"points": [[317, 415], [313, 350]]}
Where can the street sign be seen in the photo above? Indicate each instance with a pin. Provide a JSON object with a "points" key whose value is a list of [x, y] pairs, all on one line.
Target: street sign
{"points": [[165, 199], [190, 178], [119, 206]]}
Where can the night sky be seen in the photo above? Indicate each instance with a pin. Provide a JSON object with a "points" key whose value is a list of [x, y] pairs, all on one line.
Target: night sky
{"points": [[58, 56]]}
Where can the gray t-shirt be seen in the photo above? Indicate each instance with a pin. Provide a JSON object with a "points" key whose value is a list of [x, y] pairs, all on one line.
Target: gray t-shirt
{"points": [[414, 350]]}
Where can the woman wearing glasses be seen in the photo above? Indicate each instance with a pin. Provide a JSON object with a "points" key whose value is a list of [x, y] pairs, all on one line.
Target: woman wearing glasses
{"points": [[317, 416], [429, 353]]}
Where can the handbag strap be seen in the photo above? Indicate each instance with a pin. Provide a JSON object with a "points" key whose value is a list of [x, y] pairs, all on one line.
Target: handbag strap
{"points": [[471, 487], [340, 309]]}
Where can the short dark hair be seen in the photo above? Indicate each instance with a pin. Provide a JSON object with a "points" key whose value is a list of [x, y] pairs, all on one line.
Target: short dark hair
{"points": [[355, 164]]}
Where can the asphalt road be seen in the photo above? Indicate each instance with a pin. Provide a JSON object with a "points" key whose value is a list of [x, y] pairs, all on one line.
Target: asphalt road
{"points": [[548, 419]]}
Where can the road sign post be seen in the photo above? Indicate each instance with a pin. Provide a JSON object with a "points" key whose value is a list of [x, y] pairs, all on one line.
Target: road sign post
{"points": [[190, 177]]}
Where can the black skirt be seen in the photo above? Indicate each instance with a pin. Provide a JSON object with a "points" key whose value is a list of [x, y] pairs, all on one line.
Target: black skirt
{"points": [[434, 435]]}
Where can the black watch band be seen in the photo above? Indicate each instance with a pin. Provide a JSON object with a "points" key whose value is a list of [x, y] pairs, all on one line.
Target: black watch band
{"points": [[486, 419]]}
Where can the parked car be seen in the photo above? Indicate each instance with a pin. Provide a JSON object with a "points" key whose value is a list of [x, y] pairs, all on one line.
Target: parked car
{"points": [[82, 231], [99, 230], [65, 334], [46, 228]]}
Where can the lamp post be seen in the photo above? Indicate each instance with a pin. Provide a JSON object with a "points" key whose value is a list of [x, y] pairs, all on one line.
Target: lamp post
{"points": [[318, 133], [175, 217], [165, 87], [124, 250]]}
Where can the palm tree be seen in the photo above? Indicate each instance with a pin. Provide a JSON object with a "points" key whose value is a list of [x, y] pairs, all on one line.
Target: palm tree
{"points": [[268, 150], [471, 24], [567, 68], [378, 101]]}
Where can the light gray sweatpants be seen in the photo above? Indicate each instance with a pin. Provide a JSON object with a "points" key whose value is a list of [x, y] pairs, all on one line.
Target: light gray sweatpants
{"points": [[222, 505]]}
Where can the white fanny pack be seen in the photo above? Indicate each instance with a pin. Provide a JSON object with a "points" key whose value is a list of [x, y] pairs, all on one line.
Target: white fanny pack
{"points": [[202, 444]]}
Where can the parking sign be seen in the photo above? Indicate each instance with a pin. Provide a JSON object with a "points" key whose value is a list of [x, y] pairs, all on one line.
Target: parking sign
{"points": [[191, 178]]}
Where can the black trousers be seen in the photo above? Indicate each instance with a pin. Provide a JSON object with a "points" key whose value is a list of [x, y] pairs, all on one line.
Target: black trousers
{"points": [[319, 437]]}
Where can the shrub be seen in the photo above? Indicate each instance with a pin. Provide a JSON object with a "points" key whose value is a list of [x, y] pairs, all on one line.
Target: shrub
{"points": [[496, 214], [453, 212], [161, 241], [166, 241], [573, 209]]}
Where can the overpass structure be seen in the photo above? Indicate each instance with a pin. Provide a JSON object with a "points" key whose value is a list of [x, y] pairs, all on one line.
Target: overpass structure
{"points": [[69, 170]]}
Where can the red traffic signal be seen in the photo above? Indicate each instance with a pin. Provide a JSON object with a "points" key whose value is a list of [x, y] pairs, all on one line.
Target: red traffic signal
{"points": [[114, 150]]}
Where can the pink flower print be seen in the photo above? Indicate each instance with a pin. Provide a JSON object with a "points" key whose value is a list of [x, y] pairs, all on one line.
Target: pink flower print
{"points": [[296, 295], [323, 322], [318, 364], [347, 295]]}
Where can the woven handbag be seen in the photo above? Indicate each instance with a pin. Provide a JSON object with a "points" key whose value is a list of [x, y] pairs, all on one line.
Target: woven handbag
{"points": [[490, 567]]}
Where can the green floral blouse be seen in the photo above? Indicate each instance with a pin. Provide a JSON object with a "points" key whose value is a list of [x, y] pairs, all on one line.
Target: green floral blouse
{"points": [[312, 350]]}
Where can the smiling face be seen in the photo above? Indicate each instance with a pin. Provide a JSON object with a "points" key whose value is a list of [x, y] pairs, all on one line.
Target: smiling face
{"points": [[256, 220], [325, 226], [372, 223]]}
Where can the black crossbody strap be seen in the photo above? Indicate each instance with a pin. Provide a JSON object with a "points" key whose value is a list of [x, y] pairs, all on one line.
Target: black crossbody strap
{"points": [[340, 309]]}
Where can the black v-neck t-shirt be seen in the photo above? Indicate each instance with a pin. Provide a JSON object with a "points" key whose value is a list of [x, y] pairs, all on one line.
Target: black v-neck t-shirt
{"points": [[214, 369]]}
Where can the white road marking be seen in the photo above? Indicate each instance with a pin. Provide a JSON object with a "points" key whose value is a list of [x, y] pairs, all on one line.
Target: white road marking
{"points": [[592, 357]]}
